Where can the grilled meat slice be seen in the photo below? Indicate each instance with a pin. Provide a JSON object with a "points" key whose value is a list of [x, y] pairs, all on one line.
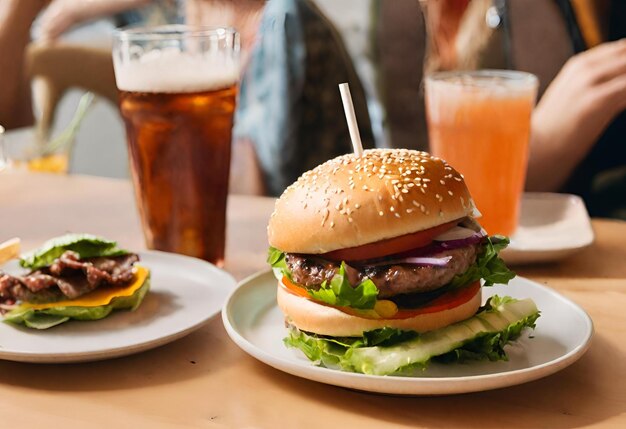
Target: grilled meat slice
{"points": [[391, 280], [68, 278]]}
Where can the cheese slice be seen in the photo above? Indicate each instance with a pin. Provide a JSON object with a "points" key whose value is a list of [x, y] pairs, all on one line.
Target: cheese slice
{"points": [[101, 296]]}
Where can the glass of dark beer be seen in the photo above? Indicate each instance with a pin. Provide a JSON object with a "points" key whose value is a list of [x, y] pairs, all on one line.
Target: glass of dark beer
{"points": [[178, 86]]}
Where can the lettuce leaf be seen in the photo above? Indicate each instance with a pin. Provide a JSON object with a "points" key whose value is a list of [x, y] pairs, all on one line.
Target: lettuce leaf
{"points": [[481, 337], [86, 245], [276, 259], [49, 317], [341, 294], [488, 266], [43, 321], [337, 292]]}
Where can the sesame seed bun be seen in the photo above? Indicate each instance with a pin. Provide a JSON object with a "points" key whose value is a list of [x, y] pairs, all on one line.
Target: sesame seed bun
{"points": [[350, 201], [309, 316]]}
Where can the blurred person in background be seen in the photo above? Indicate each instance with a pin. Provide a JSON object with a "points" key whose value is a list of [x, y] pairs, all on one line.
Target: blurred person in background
{"points": [[572, 46], [16, 17], [577, 50], [289, 117]]}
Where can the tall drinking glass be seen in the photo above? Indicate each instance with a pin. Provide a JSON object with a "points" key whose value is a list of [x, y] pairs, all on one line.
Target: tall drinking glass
{"points": [[177, 98], [480, 123]]}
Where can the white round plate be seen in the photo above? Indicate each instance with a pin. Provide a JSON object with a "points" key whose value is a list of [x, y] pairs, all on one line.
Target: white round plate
{"points": [[562, 335], [184, 293]]}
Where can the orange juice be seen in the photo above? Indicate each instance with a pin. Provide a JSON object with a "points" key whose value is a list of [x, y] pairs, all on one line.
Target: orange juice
{"points": [[480, 123]]}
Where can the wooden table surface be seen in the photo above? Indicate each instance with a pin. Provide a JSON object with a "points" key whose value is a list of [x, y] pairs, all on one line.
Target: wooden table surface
{"points": [[205, 380]]}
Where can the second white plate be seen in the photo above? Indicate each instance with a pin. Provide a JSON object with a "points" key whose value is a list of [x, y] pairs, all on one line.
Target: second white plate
{"points": [[184, 293], [551, 227], [564, 330]]}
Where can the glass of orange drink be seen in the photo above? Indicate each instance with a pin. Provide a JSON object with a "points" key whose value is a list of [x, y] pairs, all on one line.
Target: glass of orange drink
{"points": [[479, 121]]}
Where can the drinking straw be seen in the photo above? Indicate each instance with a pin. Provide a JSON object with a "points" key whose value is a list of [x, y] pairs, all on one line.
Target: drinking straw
{"points": [[353, 127], [66, 138]]}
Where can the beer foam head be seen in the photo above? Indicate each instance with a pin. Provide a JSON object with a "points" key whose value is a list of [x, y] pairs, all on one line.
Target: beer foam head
{"points": [[179, 72]]}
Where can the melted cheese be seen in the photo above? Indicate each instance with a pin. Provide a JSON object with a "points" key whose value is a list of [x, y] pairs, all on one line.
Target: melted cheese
{"points": [[101, 296]]}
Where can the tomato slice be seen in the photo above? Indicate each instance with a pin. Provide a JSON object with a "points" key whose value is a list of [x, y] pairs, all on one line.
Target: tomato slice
{"points": [[390, 246], [294, 288], [446, 301]]}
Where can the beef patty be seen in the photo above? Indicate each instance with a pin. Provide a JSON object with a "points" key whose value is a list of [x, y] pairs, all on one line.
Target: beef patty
{"points": [[67, 278], [391, 280]]}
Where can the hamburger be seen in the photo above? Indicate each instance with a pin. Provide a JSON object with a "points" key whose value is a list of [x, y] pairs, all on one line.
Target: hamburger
{"points": [[381, 262], [75, 276]]}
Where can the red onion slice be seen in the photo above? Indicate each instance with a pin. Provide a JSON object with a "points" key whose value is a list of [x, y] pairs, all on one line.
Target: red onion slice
{"points": [[417, 260], [475, 238], [455, 233]]}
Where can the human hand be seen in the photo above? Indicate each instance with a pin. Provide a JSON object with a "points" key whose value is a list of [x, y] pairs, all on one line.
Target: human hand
{"points": [[588, 93], [61, 15]]}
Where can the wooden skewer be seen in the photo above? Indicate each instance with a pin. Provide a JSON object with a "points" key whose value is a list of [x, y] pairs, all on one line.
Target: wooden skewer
{"points": [[353, 127], [10, 249]]}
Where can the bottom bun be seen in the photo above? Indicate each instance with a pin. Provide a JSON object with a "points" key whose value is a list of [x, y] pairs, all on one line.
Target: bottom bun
{"points": [[320, 319]]}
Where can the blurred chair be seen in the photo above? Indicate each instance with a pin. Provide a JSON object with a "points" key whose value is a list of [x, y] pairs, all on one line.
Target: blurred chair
{"points": [[57, 68]]}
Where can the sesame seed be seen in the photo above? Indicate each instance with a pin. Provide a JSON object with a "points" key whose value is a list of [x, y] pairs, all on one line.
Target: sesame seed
{"points": [[332, 224], [443, 182], [392, 209], [380, 213], [397, 215], [409, 210], [357, 206], [324, 216], [450, 193]]}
